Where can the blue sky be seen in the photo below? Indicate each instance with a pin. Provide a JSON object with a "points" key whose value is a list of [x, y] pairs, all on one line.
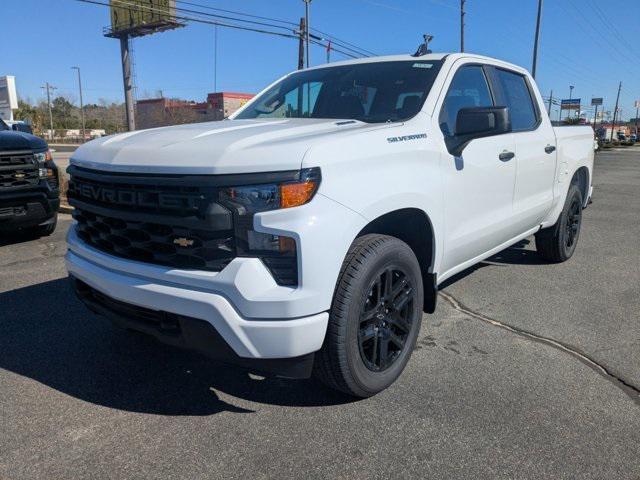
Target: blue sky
{"points": [[586, 43]]}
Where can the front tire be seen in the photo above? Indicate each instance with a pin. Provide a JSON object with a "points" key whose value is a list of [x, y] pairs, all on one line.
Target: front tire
{"points": [[375, 317], [557, 243]]}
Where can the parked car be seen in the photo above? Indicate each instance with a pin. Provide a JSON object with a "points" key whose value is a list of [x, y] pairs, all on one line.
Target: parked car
{"points": [[308, 234], [29, 188]]}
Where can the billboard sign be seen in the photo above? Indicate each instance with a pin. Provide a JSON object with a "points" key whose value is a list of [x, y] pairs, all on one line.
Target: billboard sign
{"points": [[141, 17], [570, 104], [596, 101]]}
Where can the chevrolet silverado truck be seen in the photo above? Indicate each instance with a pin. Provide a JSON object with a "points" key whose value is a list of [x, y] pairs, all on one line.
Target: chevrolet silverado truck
{"points": [[29, 187], [307, 234]]}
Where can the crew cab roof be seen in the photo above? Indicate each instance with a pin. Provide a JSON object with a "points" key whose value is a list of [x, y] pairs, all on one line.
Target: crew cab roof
{"points": [[430, 56]]}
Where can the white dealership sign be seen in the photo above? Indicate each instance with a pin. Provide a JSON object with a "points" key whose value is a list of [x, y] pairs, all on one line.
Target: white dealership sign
{"points": [[8, 97]]}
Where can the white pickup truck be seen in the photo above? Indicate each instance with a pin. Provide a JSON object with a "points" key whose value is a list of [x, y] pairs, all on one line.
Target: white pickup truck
{"points": [[309, 232]]}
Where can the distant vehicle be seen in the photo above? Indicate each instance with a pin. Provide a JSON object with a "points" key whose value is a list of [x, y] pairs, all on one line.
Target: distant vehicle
{"points": [[621, 136], [29, 189], [633, 138], [309, 233], [20, 126]]}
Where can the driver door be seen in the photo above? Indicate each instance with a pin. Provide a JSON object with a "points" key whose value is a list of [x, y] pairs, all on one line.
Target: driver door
{"points": [[478, 212]]}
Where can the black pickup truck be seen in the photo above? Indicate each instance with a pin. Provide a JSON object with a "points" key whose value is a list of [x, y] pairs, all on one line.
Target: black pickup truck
{"points": [[29, 184]]}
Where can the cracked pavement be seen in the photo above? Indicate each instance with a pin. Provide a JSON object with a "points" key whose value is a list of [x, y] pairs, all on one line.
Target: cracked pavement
{"points": [[79, 399]]}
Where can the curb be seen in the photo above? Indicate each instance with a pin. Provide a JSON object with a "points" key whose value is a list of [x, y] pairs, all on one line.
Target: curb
{"points": [[65, 209]]}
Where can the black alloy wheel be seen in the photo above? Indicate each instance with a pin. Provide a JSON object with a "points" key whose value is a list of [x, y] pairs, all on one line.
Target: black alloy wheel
{"points": [[385, 322]]}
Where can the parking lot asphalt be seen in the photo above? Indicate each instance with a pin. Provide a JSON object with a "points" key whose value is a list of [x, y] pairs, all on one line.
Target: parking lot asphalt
{"points": [[526, 370]]}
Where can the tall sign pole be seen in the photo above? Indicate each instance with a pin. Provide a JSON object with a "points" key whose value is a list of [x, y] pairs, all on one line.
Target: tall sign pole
{"points": [[136, 18], [125, 57], [535, 43]]}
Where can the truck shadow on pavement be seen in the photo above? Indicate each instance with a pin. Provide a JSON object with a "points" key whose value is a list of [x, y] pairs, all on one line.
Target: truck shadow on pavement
{"points": [[49, 336]]}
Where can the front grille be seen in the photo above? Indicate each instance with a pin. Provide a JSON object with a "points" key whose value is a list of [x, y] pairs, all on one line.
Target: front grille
{"points": [[164, 220], [178, 221], [158, 243], [18, 169]]}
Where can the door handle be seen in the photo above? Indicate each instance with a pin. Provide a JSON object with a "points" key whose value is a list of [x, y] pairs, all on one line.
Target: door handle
{"points": [[550, 149], [506, 156]]}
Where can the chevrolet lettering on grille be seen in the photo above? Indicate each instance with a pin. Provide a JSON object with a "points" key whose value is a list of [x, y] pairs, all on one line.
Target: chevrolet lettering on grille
{"points": [[131, 198]]}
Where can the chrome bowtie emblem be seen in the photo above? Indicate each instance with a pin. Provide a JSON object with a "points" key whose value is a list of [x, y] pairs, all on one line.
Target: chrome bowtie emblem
{"points": [[183, 242], [19, 175]]}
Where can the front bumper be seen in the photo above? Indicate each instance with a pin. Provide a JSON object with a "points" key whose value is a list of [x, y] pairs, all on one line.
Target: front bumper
{"points": [[247, 337], [27, 209]]}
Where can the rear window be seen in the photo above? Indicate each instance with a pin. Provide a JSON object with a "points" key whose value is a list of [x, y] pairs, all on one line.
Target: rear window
{"points": [[517, 97]]}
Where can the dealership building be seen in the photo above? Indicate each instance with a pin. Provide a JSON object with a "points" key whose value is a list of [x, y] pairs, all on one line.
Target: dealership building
{"points": [[158, 112]]}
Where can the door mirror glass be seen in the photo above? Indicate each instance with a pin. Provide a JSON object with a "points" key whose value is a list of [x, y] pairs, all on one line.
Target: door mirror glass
{"points": [[477, 122]]}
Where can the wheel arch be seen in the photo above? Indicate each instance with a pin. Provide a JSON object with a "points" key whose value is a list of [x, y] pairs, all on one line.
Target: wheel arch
{"points": [[414, 227], [581, 178]]}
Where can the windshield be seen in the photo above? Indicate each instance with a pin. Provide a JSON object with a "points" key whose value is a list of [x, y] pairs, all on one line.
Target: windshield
{"points": [[374, 92]]}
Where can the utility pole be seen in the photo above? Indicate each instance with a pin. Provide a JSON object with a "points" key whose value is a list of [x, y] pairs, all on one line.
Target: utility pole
{"points": [[637, 111], [301, 33], [128, 83], [462, 2], [535, 43], [550, 102], [595, 116], [48, 88], [615, 112], [81, 104], [306, 32]]}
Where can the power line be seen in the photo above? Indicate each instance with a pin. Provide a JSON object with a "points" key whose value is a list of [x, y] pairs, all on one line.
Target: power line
{"points": [[342, 43], [133, 6]]}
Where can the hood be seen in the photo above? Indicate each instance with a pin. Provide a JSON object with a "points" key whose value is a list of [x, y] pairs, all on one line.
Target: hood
{"points": [[229, 146], [12, 140]]}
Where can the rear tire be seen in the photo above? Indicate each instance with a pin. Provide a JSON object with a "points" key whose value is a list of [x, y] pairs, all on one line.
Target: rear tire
{"points": [[557, 243], [375, 317]]}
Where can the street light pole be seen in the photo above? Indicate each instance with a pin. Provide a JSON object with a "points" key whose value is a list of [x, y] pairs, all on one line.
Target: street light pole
{"points": [[535, 43], [462, 25], [306, 33], [81, 105]]}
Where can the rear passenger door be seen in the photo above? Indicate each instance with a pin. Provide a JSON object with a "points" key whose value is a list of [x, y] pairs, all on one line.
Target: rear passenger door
{"points": [[478, 184], [534, 147]]}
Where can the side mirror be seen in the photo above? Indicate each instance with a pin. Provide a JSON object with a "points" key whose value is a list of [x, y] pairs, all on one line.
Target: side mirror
{"points": [[22, 127], [477, 122]]}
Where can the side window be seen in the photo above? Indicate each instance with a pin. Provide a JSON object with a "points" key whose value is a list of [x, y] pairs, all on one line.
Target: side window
{"points": [[469, 88], [517, 97]]}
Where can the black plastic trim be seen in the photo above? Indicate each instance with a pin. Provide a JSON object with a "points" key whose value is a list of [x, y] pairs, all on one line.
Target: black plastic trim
{"points": [[186, 332], [195, 180]]}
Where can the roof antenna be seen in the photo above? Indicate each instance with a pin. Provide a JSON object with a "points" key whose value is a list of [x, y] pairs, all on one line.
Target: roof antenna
{"points": [[423, 48]]}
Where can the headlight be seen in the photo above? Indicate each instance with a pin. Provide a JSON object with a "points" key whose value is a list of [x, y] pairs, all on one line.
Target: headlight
{"points": [[271, 196], [46, 167], [278, 252]]}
